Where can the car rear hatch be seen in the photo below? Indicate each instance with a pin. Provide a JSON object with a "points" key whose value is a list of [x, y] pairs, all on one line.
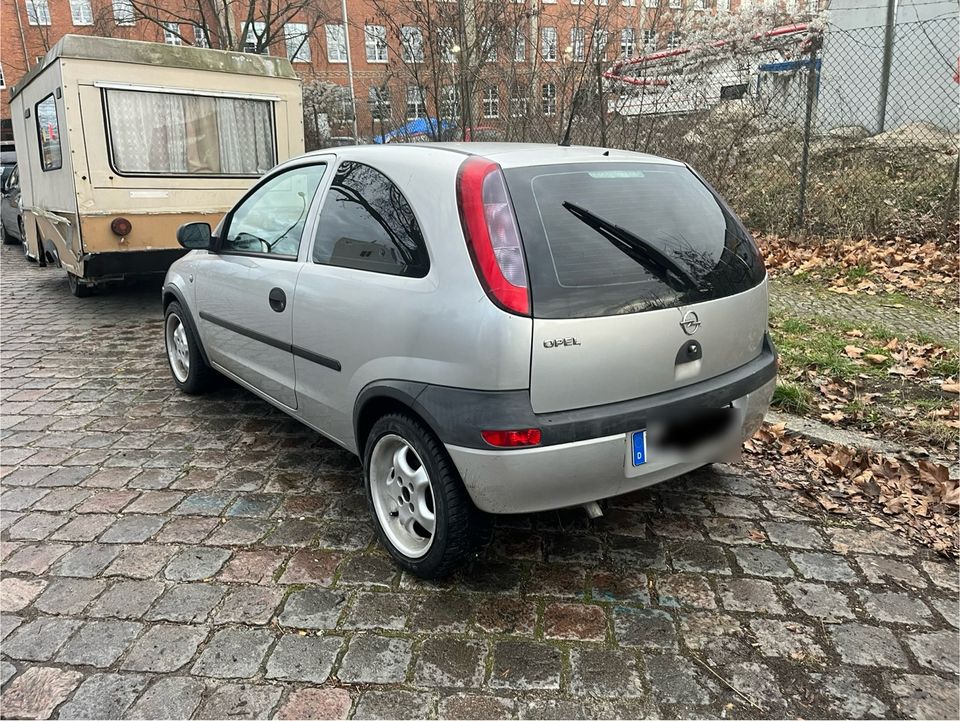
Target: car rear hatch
{"points": [[641, 279]]}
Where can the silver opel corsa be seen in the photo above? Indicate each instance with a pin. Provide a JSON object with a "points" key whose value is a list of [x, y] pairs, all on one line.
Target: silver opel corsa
{"points": [[492, 328]]}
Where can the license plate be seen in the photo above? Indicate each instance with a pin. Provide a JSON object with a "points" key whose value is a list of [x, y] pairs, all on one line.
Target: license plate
{"points": [[639, 443]]}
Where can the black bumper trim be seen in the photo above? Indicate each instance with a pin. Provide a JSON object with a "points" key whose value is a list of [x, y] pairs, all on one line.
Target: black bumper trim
{"points": [[130, 262], [458, 414]]}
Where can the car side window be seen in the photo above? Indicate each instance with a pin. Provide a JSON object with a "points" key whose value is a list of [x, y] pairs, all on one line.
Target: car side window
{"points": [[366, 223], [270, 220]]}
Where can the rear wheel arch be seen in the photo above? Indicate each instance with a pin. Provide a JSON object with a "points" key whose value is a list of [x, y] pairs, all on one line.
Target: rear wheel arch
{"points": [[382, 398]]}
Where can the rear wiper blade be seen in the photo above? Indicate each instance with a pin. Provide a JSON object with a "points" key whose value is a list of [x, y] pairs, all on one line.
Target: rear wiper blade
{"points": [[640, 250]]}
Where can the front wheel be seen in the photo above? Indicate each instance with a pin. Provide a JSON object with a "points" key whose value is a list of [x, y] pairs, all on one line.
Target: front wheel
{"points": [[190, 372], [422, 511]]}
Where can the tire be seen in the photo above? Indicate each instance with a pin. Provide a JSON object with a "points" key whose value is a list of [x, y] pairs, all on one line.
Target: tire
{"points": [[458, 526], [190, 371], [78, 288], [5, 236]]}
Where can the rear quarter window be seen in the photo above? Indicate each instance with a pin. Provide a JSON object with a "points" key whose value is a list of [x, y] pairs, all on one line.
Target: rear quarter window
{"points": [[577, 271]]}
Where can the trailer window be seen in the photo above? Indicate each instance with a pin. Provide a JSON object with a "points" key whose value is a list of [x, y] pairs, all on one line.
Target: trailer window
{"points": [[48, 134], [171, 134]]}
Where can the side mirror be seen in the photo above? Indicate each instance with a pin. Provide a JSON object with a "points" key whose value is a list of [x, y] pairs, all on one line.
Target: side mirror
{"points": [[194, 236]]}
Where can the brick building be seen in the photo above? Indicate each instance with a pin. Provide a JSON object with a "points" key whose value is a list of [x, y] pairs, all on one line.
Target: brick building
{"points": [[404, 58]]}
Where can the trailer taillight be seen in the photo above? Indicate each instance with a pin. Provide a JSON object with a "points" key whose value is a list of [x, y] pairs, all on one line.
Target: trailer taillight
{"points": [[121, 226]]}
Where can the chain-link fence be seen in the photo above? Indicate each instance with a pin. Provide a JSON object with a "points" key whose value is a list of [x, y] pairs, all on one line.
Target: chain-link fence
{"points": [[829, 131]]}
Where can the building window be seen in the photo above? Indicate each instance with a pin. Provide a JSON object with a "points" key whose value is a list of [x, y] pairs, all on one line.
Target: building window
{"points": [[380, 106], [577, 43], [651, 3], [345, 102], [601, 39], [255, 40], [518, 103], [549, 99], [600, 2], [675, 4], [548, 44], [411, 44], [576, 2], [415, 106], [488, 47], [171, 34], [629, 3], [649, 40], [48, 134], [723, 6], [81, 12], [700, 4], [3, 83], [519, 46], [297, 40], [336, 44], [628, 42], [200, 39], [491, 102], [813, 6], [38, 12], [675, 40], [375, 42], [450, 101], [122, 12], [445, 45]]}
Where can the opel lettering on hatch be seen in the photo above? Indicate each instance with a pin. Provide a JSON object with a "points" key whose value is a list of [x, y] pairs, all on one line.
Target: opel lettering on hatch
{"points": [[560, 342]]}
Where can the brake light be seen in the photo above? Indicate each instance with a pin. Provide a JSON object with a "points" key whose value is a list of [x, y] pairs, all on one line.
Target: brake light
{"points": [[512, 439], [493, 237]]}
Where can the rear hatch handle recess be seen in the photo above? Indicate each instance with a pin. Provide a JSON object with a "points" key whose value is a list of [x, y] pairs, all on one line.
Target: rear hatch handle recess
{"points": [[640, 250]]}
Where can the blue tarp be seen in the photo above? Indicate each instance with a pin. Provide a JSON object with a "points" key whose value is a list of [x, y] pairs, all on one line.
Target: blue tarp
{"points": [[417, 126]]}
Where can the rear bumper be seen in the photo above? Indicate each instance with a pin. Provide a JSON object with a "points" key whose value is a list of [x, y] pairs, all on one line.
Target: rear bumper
{"points": [[130, 262], [577, 472]]}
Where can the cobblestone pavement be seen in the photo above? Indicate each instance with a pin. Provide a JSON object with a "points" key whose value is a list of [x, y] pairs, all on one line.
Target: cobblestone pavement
{"points": [[805, 300], [168, 557]]}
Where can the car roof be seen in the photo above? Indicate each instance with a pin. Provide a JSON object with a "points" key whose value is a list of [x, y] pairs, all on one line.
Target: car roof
{"points": [[506, 154]]}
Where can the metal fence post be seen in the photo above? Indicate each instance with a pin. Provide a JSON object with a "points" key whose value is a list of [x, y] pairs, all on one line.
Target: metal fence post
{"points": [[813, 73], [887, 61]]}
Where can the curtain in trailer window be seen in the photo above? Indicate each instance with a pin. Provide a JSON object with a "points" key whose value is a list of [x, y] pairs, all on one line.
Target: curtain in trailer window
{"points": [[165, 133]]}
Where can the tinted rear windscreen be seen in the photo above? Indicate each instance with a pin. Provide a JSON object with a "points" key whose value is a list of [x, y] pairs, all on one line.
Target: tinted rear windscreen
{"points": [[644, 211]]}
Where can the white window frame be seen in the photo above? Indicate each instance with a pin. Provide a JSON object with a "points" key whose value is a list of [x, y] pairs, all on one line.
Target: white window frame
{"points": [[200, 39], [578, 44], [723, 6], [601, 44], [375, 43], [336, 38], [548, 98], [123, 12], [548, 44], [171, 33], [296, 40], [381, 106], [415, 97], [519, 46], [450, 101], [411, 44], [491, 102], [629, 3], [674, 40], [675, 4], [628, 42], [649, 40], [81, 12], [38, 12], [519, 103], [255, 30]]}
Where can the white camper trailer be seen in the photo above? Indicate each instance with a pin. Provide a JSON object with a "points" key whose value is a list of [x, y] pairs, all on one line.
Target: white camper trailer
{"points": [[120, 142]]}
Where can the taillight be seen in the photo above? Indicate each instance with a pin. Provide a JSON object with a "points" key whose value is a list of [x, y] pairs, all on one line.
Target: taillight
{"points": [[512, 439], [492, 234]]}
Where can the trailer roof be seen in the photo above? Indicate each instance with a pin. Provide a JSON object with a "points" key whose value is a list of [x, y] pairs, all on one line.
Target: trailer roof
{"points": [[88, 47]]}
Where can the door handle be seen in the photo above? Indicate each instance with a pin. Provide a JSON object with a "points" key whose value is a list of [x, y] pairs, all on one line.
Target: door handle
{"points": [[278, 299]]}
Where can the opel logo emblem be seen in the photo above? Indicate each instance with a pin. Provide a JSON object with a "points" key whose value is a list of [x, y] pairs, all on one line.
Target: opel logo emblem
{"points": [[690, 322]]}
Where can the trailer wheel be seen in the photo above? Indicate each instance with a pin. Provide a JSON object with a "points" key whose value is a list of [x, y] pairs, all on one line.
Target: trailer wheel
{"points": [[78, 287]]}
